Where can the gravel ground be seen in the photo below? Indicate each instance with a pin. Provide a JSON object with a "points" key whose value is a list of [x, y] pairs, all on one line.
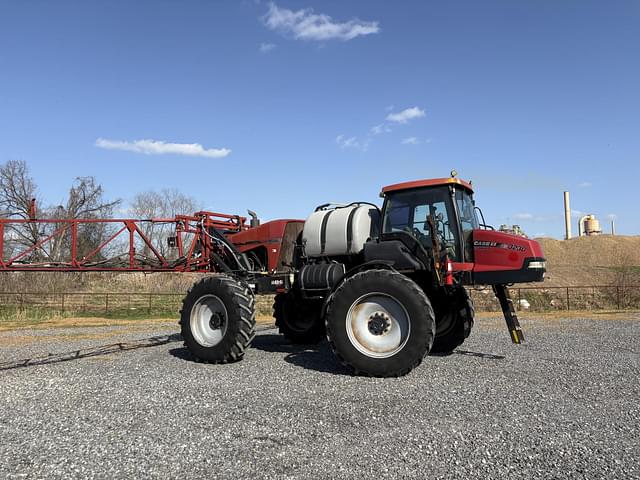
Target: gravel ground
{"points": [[565, 405]]}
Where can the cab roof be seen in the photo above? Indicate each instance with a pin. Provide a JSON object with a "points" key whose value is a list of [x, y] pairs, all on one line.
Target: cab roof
{"points": [[431, 182]]}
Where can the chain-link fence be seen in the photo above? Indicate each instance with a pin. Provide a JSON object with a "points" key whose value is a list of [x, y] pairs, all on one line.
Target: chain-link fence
{"points": [[541, 299], [132, 305], [32, 305], [89, 304]]}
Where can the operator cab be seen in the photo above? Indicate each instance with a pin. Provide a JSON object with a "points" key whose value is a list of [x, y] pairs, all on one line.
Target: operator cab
{"points": [[439, 215], [441, 207]]}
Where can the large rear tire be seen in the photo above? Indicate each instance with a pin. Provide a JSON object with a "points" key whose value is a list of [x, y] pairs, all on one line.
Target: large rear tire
{"points": [[298, 319], [380, 323], [454, 324], [218, 319]]}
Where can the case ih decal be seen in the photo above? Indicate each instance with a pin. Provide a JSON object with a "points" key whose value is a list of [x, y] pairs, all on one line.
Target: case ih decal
{"points": [[508, 246]]}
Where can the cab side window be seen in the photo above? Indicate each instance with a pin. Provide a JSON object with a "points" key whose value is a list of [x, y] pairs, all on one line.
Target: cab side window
{"points": [[396, 219]]}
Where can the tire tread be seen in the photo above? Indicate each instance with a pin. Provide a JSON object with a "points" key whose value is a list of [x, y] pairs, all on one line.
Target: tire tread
{"points": [[241, 318], [385, 275]]}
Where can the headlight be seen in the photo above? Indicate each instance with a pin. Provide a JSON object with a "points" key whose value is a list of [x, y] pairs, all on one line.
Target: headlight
{"points": [[539, 264]]}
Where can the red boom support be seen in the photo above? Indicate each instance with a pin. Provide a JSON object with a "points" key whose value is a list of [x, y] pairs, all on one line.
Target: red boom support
{"points": [[193, 242]]}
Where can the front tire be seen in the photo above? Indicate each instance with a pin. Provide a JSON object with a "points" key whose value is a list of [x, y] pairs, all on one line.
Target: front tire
{"points": [[454, 324], [380, 323], [217, 320]]}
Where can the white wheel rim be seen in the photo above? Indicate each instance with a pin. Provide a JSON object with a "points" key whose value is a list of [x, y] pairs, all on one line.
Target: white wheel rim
{"points": [[208, 320], [378, 325]]}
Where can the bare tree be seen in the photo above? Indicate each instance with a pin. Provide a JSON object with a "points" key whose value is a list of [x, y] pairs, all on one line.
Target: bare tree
{"points": [[85, 201], [17, 194], [17, 189], [166, 203]]}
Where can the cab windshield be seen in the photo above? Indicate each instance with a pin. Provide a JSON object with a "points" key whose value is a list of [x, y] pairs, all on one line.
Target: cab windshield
{"points": [[407, 211]]}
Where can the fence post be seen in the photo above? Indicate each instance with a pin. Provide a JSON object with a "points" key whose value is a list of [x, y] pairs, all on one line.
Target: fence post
{"points": [[22, 302], [568, 308], [106, 303], [149, 310], [62, 305]]}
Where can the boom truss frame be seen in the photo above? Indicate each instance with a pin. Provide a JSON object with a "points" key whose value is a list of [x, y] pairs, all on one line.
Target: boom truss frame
{"points": [[194, 253]]}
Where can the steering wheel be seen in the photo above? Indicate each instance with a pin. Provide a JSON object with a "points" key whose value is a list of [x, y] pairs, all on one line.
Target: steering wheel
{"points": [[419, 235]]}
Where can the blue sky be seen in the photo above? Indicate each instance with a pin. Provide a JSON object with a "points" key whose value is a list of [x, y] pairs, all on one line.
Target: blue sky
{"points": [[293, 104]]}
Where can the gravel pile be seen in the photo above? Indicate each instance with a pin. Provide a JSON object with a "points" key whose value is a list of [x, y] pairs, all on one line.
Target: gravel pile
{"points": [[565, 405]]}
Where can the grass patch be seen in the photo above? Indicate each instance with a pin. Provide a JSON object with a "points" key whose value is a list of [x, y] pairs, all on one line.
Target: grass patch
{"points": [[74, 322], [14, 317], [128, 314]]}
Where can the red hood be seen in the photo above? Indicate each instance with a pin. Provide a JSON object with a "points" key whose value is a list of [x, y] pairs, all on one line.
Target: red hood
{"points": [[495, 250]]}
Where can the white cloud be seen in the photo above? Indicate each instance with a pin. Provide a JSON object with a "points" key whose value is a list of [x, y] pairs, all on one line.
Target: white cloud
{"points": [[266, 47], [406, 115], [392, 121], [612, 216], [378, 129], [523, 216], [307, 25], [352, 142], [577, 213], [585, 185], [158, 147]]}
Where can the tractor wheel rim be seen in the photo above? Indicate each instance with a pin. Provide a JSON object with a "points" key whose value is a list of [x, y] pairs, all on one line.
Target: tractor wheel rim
{"points": [[209, 320], [378, 325]]}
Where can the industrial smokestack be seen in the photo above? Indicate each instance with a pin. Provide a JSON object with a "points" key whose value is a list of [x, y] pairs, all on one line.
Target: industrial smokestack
{"points": [[567, 216], [613, 227]]}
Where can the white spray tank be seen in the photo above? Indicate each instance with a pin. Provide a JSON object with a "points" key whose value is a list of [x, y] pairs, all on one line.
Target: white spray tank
{"points": [[341, 230]]}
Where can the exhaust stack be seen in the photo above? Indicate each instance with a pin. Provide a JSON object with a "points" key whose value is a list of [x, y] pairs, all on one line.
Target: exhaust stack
{"points": [[255, 221], [567, 216]]}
